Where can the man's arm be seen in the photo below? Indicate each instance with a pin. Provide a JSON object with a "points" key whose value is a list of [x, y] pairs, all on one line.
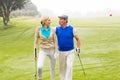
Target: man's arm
{"points": [[78, 41]]}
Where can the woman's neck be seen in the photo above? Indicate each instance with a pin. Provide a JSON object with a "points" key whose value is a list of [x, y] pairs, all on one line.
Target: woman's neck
{"points": [[45, 26]]}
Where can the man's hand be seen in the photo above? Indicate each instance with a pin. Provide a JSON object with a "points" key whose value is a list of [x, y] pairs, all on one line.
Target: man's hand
{"points": [[78, 50]]}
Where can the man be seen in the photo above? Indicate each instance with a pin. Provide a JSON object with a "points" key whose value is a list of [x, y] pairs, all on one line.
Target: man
{"points": [[65, 35]]}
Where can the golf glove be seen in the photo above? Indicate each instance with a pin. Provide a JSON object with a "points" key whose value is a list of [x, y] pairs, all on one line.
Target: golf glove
{"points": [[77, 50]]}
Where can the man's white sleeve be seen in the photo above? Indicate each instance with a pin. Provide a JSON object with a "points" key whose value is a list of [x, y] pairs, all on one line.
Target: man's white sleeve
{"points": [[74, 31]]}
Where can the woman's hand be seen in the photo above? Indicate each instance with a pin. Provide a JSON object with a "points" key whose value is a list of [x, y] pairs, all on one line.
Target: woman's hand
{"points": [[56, 55], [35, 57]]}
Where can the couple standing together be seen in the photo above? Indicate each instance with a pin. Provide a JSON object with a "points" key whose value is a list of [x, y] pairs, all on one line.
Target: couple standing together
{"points": [[56, 41]]}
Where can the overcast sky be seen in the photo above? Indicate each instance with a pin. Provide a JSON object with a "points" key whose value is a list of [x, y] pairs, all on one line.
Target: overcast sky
{"points": [[82, 7]]}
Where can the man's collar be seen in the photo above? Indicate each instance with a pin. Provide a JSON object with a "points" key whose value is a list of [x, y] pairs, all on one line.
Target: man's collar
{"points": [[65, 26]]}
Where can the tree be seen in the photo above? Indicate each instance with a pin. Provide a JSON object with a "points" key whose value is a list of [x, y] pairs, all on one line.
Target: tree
{"points": [[29, 10], [0, 11], [8, 6]]}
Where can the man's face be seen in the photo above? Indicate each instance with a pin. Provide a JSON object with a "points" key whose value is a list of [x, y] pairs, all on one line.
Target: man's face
{"points": [[62, 21]]}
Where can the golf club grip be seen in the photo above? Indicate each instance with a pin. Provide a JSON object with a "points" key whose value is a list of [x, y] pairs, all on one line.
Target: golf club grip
{"points": [[35, 52]]}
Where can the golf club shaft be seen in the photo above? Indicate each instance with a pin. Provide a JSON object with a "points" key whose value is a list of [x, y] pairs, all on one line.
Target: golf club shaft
{"points": [[35, 64], [81, 64], [35, 70]]}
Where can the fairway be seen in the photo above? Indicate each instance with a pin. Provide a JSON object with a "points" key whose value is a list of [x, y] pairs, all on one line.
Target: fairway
{"points": [[100, 49]]}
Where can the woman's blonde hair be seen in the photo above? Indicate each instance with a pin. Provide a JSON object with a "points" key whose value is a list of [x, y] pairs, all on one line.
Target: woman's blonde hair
{"points": [[43, 19]]}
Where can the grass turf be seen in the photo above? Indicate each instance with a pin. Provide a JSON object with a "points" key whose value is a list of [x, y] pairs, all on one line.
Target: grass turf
{"points": [[100, 49]]}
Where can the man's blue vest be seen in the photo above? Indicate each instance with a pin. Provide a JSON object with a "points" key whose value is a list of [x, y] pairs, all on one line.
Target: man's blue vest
{"points": [[65, 38]]}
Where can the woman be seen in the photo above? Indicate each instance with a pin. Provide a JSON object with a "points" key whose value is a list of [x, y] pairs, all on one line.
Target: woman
{"points": [[45, 35]]}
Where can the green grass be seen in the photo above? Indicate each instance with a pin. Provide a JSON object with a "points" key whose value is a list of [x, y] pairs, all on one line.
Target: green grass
{"points": [[100, 49]]}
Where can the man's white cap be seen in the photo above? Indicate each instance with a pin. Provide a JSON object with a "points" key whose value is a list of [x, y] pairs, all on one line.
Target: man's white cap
{"points": [[63, 16]]}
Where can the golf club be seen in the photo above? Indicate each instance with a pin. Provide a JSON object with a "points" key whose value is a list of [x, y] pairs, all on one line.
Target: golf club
{"points": [[81, 65], [35, 65]]}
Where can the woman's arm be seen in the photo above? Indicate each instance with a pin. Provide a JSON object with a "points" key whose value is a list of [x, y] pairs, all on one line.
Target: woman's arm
{"points": [[36, 42], [56, 54], [55, 42]]}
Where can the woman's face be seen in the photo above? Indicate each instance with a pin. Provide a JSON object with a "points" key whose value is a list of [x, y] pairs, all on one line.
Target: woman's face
{"points": [[47, 22]]}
